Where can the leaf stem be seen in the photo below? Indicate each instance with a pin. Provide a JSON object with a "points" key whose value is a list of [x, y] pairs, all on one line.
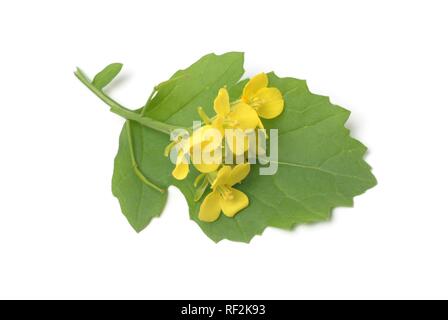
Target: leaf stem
{"points": [[135, 166], [122, 111]]}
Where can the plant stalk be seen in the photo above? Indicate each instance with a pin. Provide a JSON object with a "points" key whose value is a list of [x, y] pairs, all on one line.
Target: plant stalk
{"points": [[122, 111]]}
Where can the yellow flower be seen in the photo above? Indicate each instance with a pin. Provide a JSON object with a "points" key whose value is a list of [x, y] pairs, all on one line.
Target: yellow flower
{"points": [[267, 102], [201, 138], [223, 197], [241, 116]]}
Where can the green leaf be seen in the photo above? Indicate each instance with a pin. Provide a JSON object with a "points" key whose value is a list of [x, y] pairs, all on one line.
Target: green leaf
{"points": [[320, 166], [139, 202], [177, 99], [105, 76]]}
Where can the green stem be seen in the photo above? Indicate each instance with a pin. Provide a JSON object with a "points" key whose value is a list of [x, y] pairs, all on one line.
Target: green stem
{"points": [[120, 110], [135, 166], [129, 115]]}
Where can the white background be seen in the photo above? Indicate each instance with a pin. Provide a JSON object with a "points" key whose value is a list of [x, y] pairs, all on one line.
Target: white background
{"points": [[62, 234]]}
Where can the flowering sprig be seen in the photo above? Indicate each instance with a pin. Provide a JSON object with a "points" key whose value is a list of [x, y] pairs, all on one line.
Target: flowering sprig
{"points": [[322, 166], [205, 144]]}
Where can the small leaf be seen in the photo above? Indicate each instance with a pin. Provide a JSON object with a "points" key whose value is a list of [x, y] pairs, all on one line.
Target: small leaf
{"points": [[105, 76]]}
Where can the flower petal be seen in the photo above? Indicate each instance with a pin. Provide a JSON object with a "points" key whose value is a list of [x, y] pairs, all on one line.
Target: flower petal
{"points": [[222, 177], [238, 141], [181, 170], [271, 103], [245, 116], [218, 124], [208, 156], [197, 138], [231, 207], [210, 208], [256, 83], [222, 103], [206, 167], [238, 173], [212, 138]]}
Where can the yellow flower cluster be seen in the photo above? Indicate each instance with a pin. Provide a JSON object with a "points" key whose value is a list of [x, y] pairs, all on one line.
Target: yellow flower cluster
{"points": [[257, 101]]}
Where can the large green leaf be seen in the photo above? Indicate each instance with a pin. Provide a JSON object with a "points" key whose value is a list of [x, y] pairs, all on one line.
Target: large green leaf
{"points": [[320, 165]]}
